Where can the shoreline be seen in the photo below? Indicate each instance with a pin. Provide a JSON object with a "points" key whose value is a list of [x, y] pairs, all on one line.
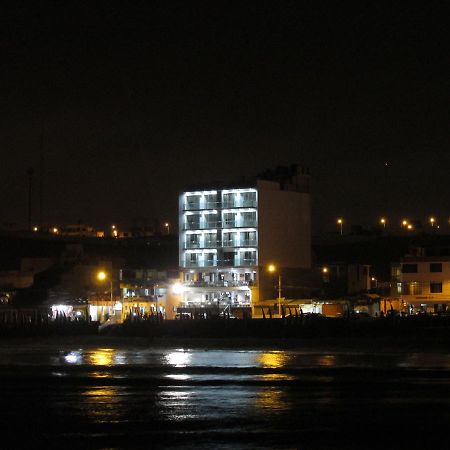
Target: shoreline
{"points": [[374, 344]]}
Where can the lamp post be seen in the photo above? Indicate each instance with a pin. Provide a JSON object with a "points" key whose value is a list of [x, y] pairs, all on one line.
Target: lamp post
{"points": [[383, 222], [102, 276], [167, 225], [272, 269], [340, 222]]}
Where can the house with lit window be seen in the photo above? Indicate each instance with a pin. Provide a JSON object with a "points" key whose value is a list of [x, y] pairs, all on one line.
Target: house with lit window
{"points": [[231, 233], [423, 283]]}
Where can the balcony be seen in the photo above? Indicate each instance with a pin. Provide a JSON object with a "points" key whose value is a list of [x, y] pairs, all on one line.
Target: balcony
{"points": [[240, 224], [193, 264], [201, 226], [237, 262], [229, 243], [249, 243], [192, 245], [239, 204], [212, 244], [221, 283], [193, 206]]}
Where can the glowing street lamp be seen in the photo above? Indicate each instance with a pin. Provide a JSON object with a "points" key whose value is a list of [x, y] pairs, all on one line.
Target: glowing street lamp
{"points": [[102, 276], [432, 221], [383, 222], [273, 269], [404, 223], [410, 227], [340, 222], [167, 225]]}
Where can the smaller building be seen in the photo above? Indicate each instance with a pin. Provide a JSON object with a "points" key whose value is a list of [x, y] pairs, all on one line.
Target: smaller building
{"points": [[422, 283]]}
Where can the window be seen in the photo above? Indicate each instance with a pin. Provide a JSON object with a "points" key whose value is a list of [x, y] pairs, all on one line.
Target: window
{"points": [[228, 200], [409, 268], [248, 218], [230, 219], [193, 241], [193, 202], [229, 239], [248, 238], [413, 288], [248, 198], [435, 267], [210, 240], [193, 221], [435, 287], [211, 220], [210, 201], [210, 259]]}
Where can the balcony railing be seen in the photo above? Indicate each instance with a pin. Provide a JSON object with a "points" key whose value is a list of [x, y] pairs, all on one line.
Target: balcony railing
{"points": [[240, 224], [222, 263], [191, 206], [248, 242], [201, 226], [229, 243], [221, 283], [239, 204], [192, 245]]}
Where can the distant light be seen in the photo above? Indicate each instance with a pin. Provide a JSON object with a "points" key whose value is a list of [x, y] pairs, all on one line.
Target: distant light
{"points": [[113, 227], [115, 233], [373, 278], [383, 220], [339, 221], [410, 226], [404, 223], [55, 230], [35, 228], [271, 268], [325, 270]]}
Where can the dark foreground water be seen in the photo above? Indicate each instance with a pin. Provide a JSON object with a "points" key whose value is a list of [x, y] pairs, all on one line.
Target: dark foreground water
{"points": [[104, 393]]}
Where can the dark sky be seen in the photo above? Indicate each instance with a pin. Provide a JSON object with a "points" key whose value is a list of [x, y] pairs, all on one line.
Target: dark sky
{"points": [[137, 99]]}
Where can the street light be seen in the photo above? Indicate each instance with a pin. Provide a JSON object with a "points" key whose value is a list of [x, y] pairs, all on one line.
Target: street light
{"points": [[167, 225], [102, 276], [273, 269], [383, 222], [340, 222], [432, 221]]}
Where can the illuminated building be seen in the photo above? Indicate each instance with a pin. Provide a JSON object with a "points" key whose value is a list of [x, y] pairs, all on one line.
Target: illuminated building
{"points": [[230, 234], [422, 283]]}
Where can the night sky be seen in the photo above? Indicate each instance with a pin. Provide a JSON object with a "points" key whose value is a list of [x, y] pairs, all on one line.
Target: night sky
{"points": [[135, 100]]}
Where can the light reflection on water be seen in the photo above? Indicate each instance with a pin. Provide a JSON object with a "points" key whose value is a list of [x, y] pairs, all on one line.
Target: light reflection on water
{"points": [[91, 390]]}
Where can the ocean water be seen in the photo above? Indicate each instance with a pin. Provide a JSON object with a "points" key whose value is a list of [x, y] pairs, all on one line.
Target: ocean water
{"points": [[118, 394]]}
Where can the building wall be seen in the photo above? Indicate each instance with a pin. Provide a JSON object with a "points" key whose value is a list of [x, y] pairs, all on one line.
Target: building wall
{"points": [[284, 223], [416, 287]]}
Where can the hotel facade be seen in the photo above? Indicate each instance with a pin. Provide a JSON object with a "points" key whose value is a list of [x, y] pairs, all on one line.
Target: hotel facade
{"points": [[230, 234]]}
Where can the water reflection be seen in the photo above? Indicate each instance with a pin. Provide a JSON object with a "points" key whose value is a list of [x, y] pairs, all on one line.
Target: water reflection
{"points": [[327, 360], [178, 358], [101, 357], [103, 403], [274, 359], [270, 397]]}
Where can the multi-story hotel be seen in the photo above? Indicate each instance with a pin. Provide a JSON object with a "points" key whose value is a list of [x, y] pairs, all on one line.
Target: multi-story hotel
{"points": [[230, 234]]}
